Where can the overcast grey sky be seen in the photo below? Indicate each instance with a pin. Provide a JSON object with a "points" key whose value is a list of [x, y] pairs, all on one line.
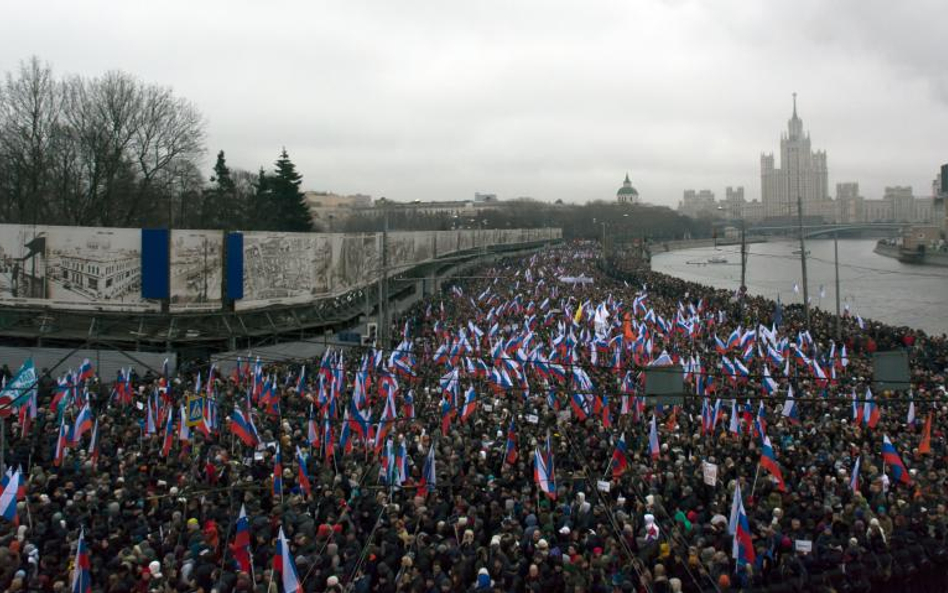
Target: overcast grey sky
{"points": [[438, 99]]}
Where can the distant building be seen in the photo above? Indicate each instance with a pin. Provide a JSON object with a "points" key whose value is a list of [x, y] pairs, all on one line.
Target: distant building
{"points": [[479, 197], [850, 206], [328, 209], [753, 211], [802, 174], [627, 194], [733, 205], [901, 203], [699, 204]]}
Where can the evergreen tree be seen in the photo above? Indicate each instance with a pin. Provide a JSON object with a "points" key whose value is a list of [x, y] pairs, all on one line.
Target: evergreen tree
{"points": [[261, 215], [289, 207], [220, 207]]}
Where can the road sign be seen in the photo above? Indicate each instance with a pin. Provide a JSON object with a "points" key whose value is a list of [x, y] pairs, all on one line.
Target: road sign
{"points": [[195, 410]]}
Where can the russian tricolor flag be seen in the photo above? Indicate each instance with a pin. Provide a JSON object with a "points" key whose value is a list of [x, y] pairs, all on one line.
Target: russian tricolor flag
{"points": [[580, 406], [241, 546], [543, 474], [510, 449], [82, 571], [743, 550], [8, 498], [769, 462], [470, 404], [283, 564], [243, 428], [303, 478], [429, 477], [891, 457], [854, 478], [790, 411], [653, 446], [620, 457], [870, 411], [85, 371]]}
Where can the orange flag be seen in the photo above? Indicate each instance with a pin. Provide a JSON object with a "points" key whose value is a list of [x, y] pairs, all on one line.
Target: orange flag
{"points": [[672, 421], [926, 445]]}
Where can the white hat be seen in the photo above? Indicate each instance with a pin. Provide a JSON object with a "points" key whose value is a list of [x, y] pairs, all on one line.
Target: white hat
{"points": [[564, 530], [155, 568]]}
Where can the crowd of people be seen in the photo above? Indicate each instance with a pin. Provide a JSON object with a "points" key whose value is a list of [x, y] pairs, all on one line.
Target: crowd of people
{"points": [[503, 440]]}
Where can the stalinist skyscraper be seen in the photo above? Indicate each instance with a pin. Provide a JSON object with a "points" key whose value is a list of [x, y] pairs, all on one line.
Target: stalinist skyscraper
{"points": [[802, 173]]}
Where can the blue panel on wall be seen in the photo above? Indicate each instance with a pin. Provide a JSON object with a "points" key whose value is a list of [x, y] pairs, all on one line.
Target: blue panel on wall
{"points": [[156, 263], [235, 266]]}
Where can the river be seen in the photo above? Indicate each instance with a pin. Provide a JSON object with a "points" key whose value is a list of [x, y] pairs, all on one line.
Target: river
{"points": [[874, 286]]}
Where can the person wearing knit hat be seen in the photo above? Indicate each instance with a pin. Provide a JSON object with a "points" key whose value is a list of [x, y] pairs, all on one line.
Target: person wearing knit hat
{"points": [[484, 582]]}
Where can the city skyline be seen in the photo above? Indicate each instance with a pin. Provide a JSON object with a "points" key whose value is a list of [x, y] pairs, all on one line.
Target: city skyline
{"points": [[519, 100]]}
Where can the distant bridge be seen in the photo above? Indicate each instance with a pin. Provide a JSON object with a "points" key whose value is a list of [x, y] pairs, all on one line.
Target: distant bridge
{"points": [[817, 231], [857, 228]]}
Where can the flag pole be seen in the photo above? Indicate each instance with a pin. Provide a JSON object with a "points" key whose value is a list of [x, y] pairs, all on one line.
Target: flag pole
{"points": [[756, 474]]}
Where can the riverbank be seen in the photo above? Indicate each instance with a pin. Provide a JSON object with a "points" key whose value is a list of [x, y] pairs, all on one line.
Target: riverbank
{"points": [[911, 257], [879, 288]]}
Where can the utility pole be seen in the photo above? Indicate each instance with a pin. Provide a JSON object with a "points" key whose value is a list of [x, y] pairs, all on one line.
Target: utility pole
{"points": [[806, 297], [839, 324], [604, 243], [743, 257], [383, 280]]}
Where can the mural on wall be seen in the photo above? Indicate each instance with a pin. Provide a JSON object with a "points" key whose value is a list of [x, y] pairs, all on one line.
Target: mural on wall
{"points": [[401, 252], [196, 269], [85, 268], [93, 265], [285, 268], [23, 263], [72, 267], [446, 242], [355, 261], [424, 246]]}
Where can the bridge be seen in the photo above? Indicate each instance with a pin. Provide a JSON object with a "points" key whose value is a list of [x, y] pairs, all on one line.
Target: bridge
{"points": [[816, 230], [848, 230]]}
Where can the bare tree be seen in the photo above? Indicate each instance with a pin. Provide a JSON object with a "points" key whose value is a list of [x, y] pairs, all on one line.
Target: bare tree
{"points": [[30, 107], [101, 151]]}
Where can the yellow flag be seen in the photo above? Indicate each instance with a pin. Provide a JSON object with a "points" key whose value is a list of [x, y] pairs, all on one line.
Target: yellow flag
{"points": [[579, 314]]}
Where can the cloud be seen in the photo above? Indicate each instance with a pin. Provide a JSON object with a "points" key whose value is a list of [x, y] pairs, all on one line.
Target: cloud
{"points": [[434, 100]]}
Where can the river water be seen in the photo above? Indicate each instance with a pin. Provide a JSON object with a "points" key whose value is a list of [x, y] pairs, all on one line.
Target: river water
{"points": [[874, 286]]}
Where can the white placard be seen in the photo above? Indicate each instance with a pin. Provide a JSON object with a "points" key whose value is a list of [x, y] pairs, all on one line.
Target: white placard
{"points": [[803, 545], [488, 408], [564, 415], [533, 418], [710, 473], [603, 486]]}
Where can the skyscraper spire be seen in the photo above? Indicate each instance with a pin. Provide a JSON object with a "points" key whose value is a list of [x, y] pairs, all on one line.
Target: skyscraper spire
{"points": [[794, 104]]}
